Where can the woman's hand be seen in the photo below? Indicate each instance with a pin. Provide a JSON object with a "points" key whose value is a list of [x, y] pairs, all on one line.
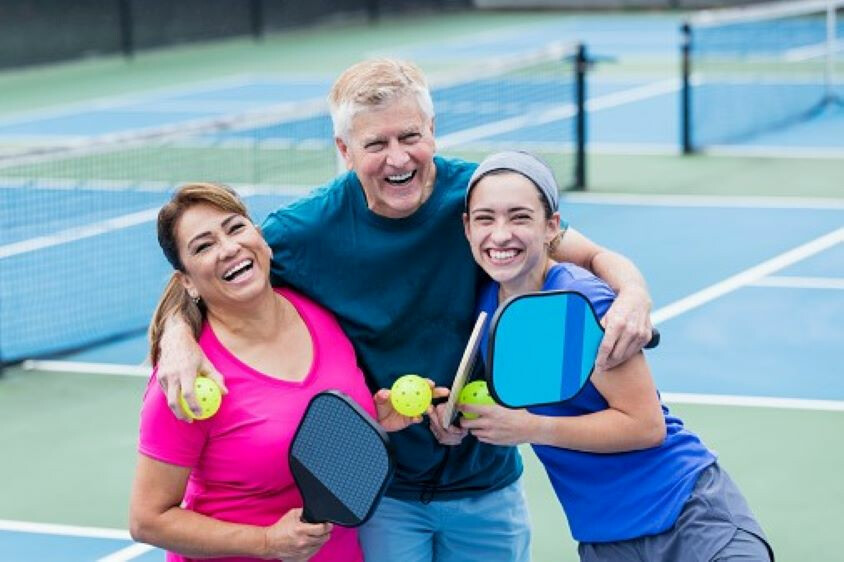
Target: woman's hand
{"points": [[390, 419], [292, 539], [498, 425], [450, 436]]}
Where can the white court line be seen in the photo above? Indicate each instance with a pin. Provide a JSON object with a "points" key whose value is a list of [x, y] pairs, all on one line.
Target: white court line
{"points": [[122, 100], [719, 150], [70, 184], [748, 276], [88, 368], [78, 233], [796, 282], [693, 201], [772, 151], [129, 553], [105, 226], [651, 90], [809, 52], [64, 530], [753, 401]]}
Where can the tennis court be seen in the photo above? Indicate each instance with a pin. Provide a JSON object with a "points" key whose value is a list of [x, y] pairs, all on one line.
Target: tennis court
{"points": [[747, 287]]}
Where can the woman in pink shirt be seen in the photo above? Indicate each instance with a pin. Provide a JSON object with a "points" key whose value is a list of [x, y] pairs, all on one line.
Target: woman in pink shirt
{"points": [[221, 488]]}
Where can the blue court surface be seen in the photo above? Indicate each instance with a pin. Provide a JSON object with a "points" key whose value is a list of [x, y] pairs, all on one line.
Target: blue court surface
{"points": [[761, 321]]}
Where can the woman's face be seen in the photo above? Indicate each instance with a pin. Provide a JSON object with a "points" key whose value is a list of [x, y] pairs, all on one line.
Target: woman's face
{"points": [[226, 259], [507, 230]]}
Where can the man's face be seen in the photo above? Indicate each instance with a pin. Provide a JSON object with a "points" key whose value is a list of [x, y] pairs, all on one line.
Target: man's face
{"points": [[391, 149]]}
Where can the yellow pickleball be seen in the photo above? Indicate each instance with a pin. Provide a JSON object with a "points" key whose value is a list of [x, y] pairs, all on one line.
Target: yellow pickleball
{"points": [[476, 392], [208, 396], [410, 395]]}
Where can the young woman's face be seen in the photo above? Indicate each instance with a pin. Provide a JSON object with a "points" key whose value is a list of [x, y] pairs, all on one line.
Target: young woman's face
{"points": [[225, 257], [508, 231]]}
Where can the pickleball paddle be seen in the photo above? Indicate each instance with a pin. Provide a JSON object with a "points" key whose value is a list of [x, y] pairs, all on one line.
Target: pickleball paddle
{"points": [[340, 461], [542, 348]]}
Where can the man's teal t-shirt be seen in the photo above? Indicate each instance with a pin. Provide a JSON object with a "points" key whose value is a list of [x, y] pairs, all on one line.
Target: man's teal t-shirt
{"points": [[404, 292]]}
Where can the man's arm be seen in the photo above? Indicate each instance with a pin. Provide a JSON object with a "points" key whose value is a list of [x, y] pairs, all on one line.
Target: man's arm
{"points": [[627, 322], [180, 359]]}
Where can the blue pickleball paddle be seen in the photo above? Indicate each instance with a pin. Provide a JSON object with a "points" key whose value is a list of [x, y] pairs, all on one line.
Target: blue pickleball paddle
{"points": [[542, 348]]}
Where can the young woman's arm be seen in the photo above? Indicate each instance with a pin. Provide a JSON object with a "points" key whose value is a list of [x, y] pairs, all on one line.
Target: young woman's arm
{"points": [[633, 420], [155, 517]]}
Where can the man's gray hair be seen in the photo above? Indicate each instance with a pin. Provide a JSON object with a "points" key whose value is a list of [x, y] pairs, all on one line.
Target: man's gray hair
{"points": [[373, 84]]}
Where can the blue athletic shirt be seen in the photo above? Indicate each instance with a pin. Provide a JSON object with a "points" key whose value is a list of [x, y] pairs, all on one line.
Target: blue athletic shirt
{"points": [[618, 496], [404, 292]]}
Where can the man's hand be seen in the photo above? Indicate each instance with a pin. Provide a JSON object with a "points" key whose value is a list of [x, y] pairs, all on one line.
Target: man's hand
{"points": [[390, 419], [180, 361], [498, 425], [627, 326]]}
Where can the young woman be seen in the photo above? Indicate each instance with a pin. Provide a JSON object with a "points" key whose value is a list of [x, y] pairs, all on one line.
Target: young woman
{"points": [[634, 482], [221, 488]]}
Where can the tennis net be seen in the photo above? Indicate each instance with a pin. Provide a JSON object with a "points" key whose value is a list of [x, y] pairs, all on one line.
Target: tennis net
{"points": [[79, 261], [758, 68]]}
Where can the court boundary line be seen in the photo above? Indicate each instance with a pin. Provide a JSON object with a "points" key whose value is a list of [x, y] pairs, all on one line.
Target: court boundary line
{"points": [[129, 553], [151, 95], [729, 201], [775, 151], [717, 150], [118, 100], [800, 282], [106, 226], [753, 401], [111, 369], [78, 233], [64, 530], [748, 276]]}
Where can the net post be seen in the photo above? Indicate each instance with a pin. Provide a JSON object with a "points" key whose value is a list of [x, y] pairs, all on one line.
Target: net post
{"points": [[256, 19], [127, 39], [686, 89], [373, 10], [831, 40], [580, 68]]}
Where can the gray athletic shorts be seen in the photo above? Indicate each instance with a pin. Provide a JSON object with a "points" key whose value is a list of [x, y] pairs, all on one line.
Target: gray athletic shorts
{"points": [[716, 524]]}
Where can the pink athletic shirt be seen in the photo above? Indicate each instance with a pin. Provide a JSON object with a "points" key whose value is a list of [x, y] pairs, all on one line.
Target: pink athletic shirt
{"points": [[238, 457]]}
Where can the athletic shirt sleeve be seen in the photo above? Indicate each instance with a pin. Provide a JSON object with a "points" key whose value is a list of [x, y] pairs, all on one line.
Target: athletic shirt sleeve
{"points": [[569, 277], [165, 438]]}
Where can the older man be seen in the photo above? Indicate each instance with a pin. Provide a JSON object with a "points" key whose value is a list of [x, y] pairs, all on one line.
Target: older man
{"points": [[382, 246]]}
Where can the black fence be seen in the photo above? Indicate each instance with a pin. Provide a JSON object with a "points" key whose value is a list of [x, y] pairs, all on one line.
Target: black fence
{"points": [[41, 31], [607, 4]]}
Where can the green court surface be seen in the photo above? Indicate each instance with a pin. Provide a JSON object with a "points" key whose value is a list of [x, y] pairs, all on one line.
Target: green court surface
{"points": [[68, 440], [68, 445]]}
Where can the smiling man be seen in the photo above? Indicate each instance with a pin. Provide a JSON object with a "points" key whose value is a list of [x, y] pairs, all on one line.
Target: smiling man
{"points": [[382, 247]]}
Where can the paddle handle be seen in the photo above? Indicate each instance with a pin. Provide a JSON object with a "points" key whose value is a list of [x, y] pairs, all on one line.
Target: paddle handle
{"points": [[654, 339], [307, 516]]}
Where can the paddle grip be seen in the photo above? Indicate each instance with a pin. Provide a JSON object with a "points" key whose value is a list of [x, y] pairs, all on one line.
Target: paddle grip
{"points": [[654, 339]]}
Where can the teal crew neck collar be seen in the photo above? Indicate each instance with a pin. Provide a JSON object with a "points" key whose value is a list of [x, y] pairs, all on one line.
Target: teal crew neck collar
{"points": [[423, 213]]}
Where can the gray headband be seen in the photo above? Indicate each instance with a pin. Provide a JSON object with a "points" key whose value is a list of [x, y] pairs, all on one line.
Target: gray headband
{"points": [[522, 163]]}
